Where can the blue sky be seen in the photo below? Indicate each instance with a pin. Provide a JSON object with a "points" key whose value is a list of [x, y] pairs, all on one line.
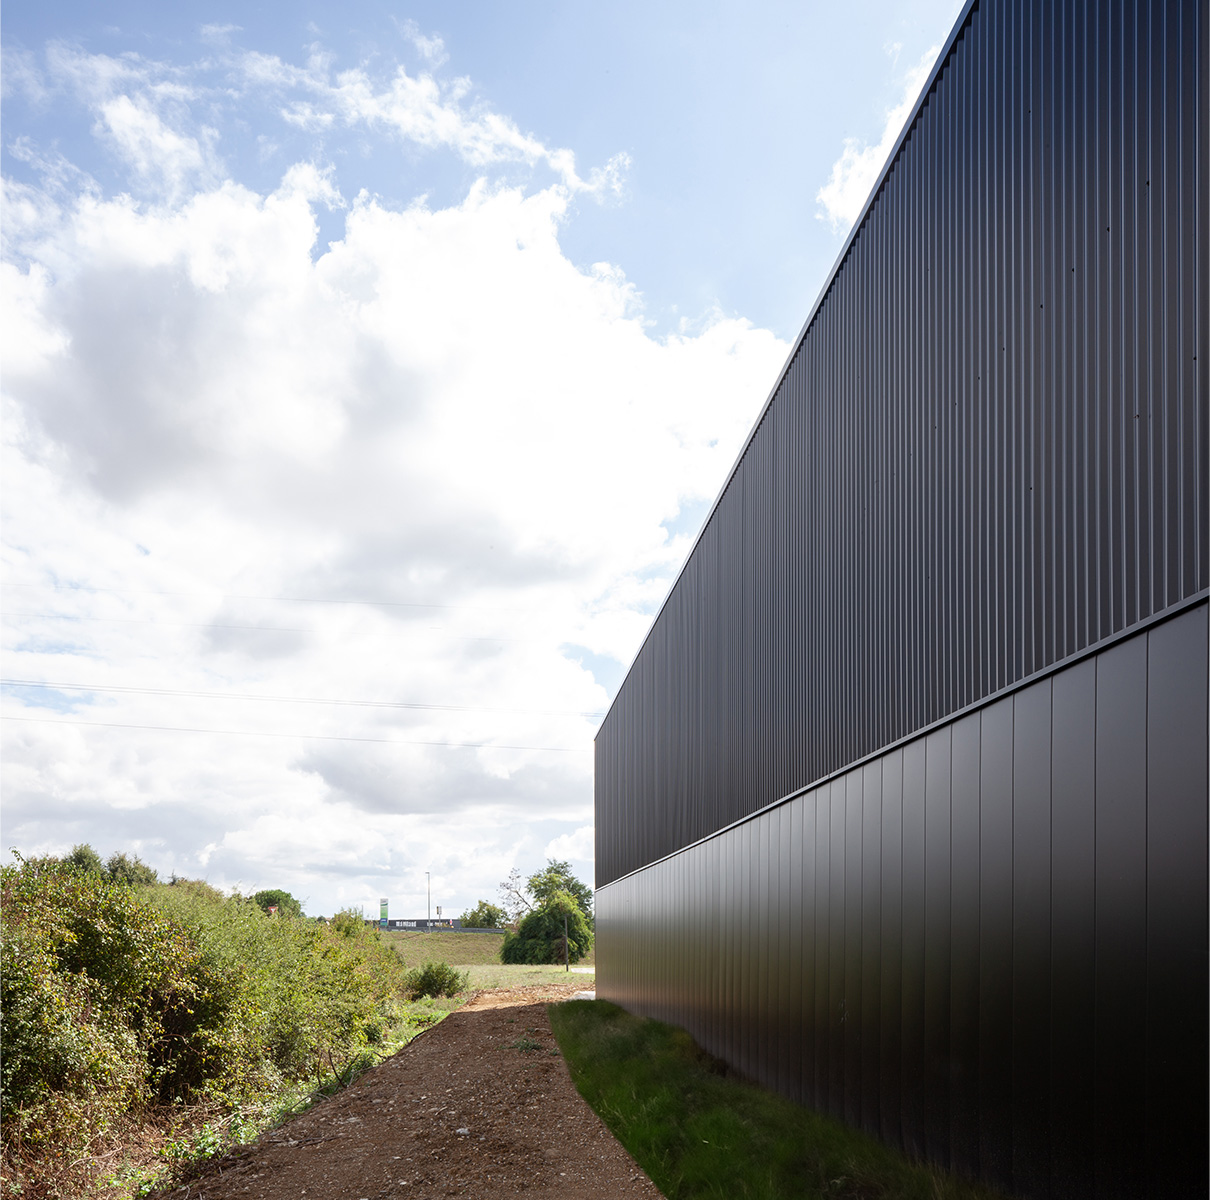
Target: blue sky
{"points": [[368, 373], [732, 116]]}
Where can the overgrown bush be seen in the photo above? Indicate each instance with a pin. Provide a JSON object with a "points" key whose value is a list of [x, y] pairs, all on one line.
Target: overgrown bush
{"points": [[282, 901], [101, 999], [435, 979], [539, 937], [113, 998], [312, 995], [484, 916]]}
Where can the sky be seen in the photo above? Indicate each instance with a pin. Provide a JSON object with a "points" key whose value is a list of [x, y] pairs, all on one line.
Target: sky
{"points": [[367, 372]]}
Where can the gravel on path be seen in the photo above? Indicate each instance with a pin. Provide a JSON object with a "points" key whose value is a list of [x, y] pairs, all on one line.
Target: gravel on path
{"points": [[480, 1105]]}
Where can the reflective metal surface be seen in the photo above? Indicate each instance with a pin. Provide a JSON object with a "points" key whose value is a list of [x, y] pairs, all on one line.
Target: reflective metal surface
{"points": [[988, 450], [902, 806], [988, 946]]}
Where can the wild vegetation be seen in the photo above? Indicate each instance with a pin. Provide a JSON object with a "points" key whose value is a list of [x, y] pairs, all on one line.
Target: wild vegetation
{"points": [[552, 916], [133, 1005], [555, 932], [148, 1025], [701, 1134], [484, 916], [434, 979], [521, 897]]}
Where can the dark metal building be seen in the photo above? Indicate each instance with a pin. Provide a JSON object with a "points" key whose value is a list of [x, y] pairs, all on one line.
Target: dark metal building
{"points": [[902, 807]]}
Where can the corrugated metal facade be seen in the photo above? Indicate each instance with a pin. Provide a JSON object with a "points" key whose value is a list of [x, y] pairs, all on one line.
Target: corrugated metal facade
{"points": [[988, 451], [987, 946], [902, 807]]}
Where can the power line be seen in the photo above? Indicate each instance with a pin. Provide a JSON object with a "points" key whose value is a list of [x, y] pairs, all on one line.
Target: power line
{"points": [[458, 637], [143, 691], [69, 587], [153, 621], [320, 737]]}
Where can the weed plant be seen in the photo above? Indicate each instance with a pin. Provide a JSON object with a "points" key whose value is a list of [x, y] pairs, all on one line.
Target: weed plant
{"points": [[700, 1133], [434, 979]]}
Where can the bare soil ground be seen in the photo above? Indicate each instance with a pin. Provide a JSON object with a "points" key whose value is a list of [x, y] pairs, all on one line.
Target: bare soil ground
{"points": [[480, 1105]]}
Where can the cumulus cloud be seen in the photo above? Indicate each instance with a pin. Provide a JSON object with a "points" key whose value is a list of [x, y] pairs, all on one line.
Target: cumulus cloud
{"points": [[304, 533], [575, 847], [855, 172]]}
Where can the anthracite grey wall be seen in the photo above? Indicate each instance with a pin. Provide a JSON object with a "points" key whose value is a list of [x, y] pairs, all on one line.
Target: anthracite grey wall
{"points": [[989, 449], [902, 807], [987, 946]]}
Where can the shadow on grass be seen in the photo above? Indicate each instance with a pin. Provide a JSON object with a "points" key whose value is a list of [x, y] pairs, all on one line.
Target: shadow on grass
{"points": [[700, 1133]]}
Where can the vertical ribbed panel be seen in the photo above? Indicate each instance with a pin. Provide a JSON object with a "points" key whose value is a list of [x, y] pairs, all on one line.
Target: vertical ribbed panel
{"points": [[987, 946], [988, 450]]}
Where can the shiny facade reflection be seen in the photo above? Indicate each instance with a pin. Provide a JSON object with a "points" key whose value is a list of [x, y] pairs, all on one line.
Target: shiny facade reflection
{"points": [[902, 807], [988, 450], [987, 946]]}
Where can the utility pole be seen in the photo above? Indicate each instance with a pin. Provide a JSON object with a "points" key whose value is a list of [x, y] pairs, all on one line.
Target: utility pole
{"points": [[428, 912], [566, 948]]}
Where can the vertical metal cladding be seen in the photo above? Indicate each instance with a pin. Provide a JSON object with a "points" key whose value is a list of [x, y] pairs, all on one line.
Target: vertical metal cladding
{"points": [[987, 946], [987, 453]]}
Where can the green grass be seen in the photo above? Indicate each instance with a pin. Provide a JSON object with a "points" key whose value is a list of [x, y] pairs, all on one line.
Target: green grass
{"points": [[456, 948], [451, 946], [497, 975], [701, 1134]]}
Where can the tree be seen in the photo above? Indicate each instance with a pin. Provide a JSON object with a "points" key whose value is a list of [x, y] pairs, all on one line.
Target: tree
{"points": [[484, 916], [84, 858], [133, 871], [513, 897], [520, 898], [555, 877], [539, 937], [286, 905]]}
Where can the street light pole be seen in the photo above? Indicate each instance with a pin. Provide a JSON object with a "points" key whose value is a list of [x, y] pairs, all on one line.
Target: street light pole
{"points": [[428, 912]]}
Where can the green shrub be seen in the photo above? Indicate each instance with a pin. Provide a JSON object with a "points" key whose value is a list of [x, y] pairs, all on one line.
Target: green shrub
{"points": [[84, 858], [484, 916], [113, 998], [435, 979], [97, 996], [311, 996], [285, 904], [539, 936], [123, 869]]}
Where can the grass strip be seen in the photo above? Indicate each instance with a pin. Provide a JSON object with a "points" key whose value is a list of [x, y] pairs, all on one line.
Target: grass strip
{"points": [[700, 1133], [453, 946], [496, 975]]}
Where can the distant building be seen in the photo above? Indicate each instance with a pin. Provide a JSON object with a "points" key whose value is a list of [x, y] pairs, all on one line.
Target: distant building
{"points": [[419, 923]]}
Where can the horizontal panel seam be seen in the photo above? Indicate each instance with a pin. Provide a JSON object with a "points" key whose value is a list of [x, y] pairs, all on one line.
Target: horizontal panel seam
{"points": [[1100, 647]]}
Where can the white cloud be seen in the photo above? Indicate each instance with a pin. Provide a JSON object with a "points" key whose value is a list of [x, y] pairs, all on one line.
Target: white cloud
{"points": [[577, 846], [211, 423], [156, 153], [855, 172], [430, 46], [422, 110], [144, 109]]}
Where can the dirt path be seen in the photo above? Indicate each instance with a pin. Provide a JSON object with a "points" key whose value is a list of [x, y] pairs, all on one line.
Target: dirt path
{"points": [[481, 1105]]}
